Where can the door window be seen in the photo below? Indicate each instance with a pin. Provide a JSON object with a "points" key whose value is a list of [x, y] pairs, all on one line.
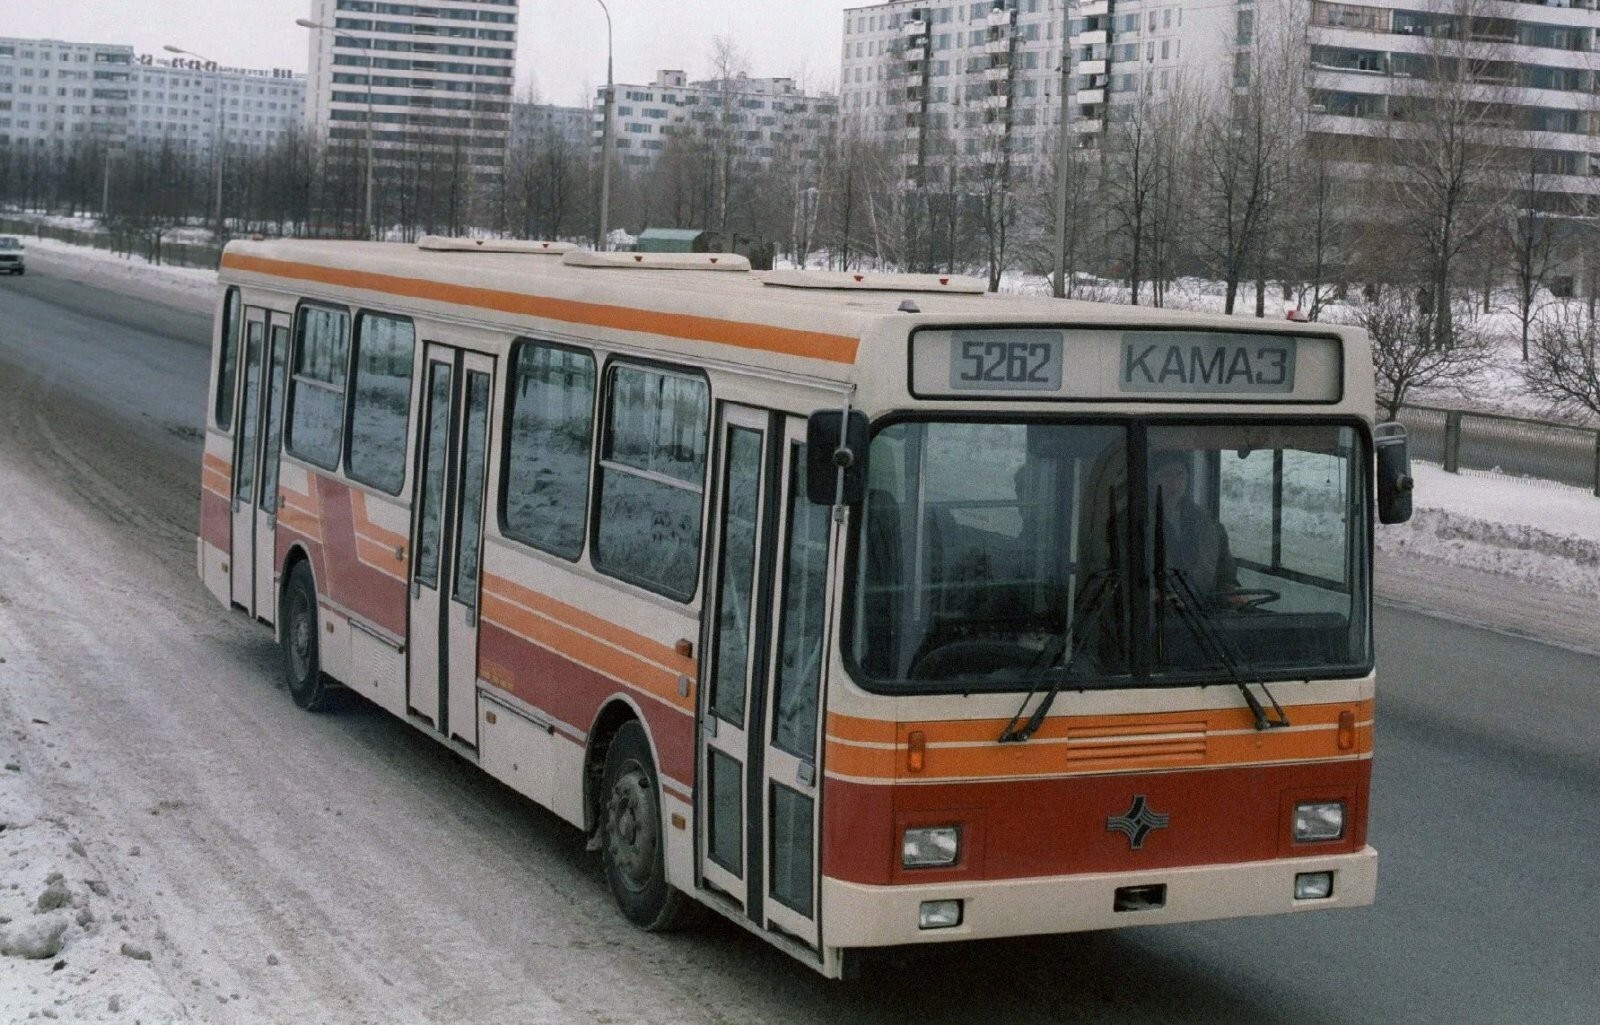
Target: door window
{"points": [[800, 636], [736, 595], [431, 508], [245, 461], [472, 476]]}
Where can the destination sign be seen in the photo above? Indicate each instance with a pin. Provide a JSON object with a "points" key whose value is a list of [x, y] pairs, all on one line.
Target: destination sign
{"points": [[1045, 362], [1208, 363]]}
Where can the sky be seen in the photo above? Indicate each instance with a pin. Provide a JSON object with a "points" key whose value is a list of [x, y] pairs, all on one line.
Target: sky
{"points": [[561, 48]]}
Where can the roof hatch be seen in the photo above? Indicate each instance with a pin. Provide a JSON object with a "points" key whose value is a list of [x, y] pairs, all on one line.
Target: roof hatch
{"points": [[852, 282], [658, 261], [448, 244]]}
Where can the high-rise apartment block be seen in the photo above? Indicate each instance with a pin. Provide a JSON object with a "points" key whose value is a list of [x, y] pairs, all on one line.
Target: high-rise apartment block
{"points": [[940, 81], [425, 75], [56, 94], [765, 120], [944, 83]]}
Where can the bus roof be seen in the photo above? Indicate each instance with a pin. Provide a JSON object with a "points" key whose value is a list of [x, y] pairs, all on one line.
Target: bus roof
{"points": [[818, 332]]}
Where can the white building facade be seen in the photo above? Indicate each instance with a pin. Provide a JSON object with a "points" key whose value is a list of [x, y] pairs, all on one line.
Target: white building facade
{"points": [[56, 94], [176, 102], [431, 74], [768, 119]]}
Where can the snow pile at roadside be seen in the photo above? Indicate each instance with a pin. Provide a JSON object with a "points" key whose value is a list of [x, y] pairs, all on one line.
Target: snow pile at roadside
{"points": [[1532, 531], [188, 288], [70, 949]]}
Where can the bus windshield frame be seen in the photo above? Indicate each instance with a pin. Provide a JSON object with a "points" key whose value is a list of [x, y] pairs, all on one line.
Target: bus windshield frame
{"points": [[1155, 551]]}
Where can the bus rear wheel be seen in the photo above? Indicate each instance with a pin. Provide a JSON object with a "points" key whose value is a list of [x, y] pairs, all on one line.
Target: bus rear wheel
{"points": [[633, 844], [302, 665]]}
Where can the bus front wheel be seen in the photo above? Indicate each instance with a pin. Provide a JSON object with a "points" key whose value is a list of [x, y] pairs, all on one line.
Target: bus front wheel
{"points": [[633, 844], [302, 666]]}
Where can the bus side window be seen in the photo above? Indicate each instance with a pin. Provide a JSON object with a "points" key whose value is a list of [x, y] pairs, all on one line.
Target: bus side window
{"points": [[380, 402], [228, 361], [652, 479], [317, 390], [549, 426]]}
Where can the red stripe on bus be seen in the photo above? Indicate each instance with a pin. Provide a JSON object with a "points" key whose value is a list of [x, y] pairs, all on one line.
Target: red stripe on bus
{"points": [[761, 337]]}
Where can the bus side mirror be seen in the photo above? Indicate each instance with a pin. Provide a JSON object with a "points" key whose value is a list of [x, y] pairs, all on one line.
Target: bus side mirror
{"points": [[835, 449], [1394, 473]]}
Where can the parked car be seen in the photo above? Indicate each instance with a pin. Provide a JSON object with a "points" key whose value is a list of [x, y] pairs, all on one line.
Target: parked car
{"points": [[13, 257]]}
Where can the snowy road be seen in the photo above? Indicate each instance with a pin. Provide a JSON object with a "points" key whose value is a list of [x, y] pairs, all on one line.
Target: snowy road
{"points": [[281, 867]]}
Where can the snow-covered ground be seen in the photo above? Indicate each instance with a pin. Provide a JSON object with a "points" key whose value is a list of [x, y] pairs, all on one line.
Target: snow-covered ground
{"points": [[82, 933]]}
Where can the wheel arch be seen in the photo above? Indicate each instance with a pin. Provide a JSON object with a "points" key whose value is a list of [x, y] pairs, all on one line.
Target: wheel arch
{"points": [[616, 712], [296, 555]]}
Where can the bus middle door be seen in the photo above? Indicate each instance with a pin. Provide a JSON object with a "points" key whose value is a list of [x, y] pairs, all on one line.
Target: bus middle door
{"points": [[447, 541]]}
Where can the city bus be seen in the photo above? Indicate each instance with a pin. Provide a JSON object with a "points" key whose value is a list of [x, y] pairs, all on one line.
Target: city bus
{"points": [[864, 610]]}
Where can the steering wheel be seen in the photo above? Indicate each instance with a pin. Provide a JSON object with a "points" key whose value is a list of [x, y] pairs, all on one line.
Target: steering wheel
{"points": [[967, 657], [1246, 597]]}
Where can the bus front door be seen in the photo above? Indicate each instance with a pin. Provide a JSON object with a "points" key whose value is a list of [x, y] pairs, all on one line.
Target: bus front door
{"points": [[255, 461], [760, 700], [447, 541]]}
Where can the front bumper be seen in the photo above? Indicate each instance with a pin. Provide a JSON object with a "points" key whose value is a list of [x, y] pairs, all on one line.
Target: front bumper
{"points": [[857, 915]]}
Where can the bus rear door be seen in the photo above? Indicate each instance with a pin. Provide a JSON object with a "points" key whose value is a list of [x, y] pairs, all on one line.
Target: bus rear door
{"points": [[255, 461]]}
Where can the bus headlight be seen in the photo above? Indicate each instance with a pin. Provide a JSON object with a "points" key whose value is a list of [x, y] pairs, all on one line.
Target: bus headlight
{"points": [[1318, 820], [930, 847]]}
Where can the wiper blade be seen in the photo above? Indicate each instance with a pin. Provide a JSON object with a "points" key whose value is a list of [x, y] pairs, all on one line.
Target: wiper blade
{"points": [[1217, 646], [1085, 608]]}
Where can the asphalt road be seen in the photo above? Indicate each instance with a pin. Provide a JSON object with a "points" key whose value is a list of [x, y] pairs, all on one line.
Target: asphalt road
{"points": [[1485, 785]]}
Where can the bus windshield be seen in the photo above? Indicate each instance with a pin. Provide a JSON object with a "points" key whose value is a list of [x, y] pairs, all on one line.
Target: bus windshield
{"points": [[996, 555]]}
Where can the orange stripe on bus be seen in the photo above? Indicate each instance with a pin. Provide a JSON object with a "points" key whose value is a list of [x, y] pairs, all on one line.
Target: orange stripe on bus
{"points": [[762, 337], [569, 643], [379, 557], [1091, 744], [578, 619]]}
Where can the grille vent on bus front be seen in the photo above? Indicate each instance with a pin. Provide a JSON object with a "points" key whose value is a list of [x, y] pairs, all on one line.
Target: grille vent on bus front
{"points": [[1109, 748]]}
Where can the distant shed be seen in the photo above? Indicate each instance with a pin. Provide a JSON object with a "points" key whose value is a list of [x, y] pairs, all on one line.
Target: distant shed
{"points": [[671, 240]]}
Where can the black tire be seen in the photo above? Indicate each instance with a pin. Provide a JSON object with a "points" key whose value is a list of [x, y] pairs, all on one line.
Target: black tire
{"points": [[633, 843], [302, 666]]}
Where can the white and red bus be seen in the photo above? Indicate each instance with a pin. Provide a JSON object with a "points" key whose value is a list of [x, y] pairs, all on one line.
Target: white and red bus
{"points": [[865, 610]]}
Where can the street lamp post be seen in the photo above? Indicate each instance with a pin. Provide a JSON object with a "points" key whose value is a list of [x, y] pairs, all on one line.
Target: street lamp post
{"points": [[216, 142], [366, 216], [608, 140], [1064, 152]]}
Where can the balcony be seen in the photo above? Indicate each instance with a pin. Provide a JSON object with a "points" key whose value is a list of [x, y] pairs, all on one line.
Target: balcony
{"points": [[997, 47], [913, 53], [1097, 37], [1001, 73], [1094, 8], [1096, 67], [999, 17], [999, 101], [1088, 96], [1086, 126], [914, 29]]}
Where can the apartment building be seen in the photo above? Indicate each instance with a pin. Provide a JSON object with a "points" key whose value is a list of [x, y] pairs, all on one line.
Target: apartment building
{"points": [[535, 123], [768, 119], [1532, 67], [176, 101], [55, 94], [944, 83], [428, 75]]}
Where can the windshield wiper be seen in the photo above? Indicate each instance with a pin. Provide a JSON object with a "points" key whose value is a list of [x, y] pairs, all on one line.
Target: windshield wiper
{"points": [[1219, 647], [1085, 608], [1213, 642]]}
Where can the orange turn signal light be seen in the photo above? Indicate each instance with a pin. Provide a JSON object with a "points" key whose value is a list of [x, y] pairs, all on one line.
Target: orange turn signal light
{"points": [[916, 751], [1347, 730]]}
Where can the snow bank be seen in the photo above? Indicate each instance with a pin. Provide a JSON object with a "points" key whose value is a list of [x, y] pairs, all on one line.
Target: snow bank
{"points": [[187, 288]]}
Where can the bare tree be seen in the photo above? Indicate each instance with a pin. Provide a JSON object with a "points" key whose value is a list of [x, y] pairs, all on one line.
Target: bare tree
{"points": [[1564, 365], [1530, 235], [1406, 353], [1133, 175], [1447, 148]]}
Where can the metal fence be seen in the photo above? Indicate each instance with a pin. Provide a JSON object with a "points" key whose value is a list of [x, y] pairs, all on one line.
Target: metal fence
{"points": [[141, 243], [1460, 440]]}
